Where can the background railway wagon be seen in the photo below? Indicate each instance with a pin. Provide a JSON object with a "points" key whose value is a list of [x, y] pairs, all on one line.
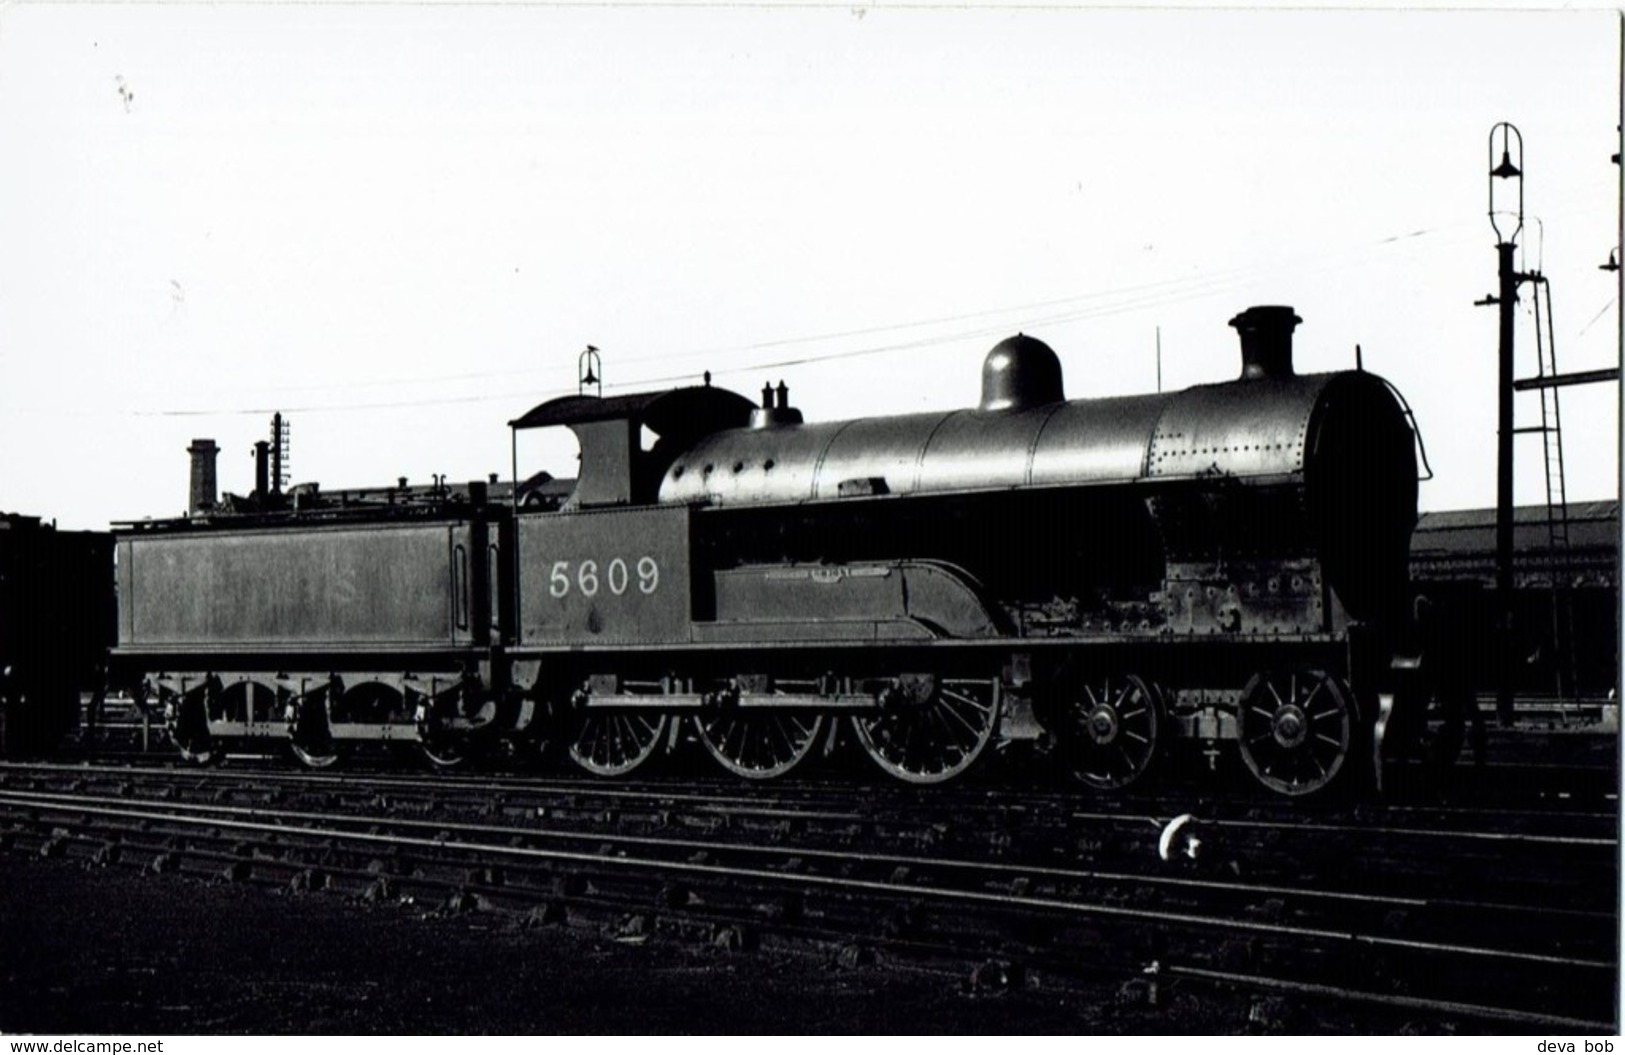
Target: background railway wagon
{"points": [[56, 620], [1565, 600]]}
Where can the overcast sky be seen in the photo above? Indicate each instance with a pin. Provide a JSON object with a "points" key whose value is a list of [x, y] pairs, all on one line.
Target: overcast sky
{"points": [[400, 225]]}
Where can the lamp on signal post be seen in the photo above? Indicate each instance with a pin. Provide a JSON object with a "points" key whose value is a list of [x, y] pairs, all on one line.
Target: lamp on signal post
{"points": [[1506, 219]]}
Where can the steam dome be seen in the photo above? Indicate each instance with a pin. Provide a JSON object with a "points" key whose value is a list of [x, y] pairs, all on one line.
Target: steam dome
{"points": [[1021, 372]]}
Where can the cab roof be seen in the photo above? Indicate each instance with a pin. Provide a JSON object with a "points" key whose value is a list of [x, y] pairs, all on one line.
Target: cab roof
{"points": [[697, 410]]}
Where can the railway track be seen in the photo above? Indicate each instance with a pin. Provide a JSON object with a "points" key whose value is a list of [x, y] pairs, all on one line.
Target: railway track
{"points": [[1535, 765], [992, 821], [1421, 909]]}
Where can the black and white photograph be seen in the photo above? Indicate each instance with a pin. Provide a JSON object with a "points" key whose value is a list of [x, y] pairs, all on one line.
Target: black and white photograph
{"points": [[864, 518]]}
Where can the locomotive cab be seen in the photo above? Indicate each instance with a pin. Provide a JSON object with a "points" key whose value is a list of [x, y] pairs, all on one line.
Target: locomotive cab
{"points": [[615, 469]]}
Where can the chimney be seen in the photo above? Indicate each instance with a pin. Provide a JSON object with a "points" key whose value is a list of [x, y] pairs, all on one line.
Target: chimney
{"points": [[1266, 341], [775, 408], [205, 488], [262, 471]]}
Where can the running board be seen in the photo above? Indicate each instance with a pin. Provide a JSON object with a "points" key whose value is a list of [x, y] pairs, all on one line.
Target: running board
{"points": [[744, 701]]}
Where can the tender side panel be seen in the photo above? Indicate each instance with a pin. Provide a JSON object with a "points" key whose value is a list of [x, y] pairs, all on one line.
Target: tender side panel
{"points": [[599, 577], [387, 586]]}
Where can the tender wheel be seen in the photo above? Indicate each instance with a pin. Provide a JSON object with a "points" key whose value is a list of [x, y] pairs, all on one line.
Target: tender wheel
{"points": [[1110, 730], [445, 754], [441, 747], [188, 719], [310, 737], [614, 743], [315, 756], [1296, 730], [759, 745], [929, 730]]}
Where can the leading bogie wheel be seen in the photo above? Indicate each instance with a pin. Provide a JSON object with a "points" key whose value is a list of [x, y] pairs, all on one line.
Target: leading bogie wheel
{"points": [[929, 729], [1296, 729], [1435, 722]]}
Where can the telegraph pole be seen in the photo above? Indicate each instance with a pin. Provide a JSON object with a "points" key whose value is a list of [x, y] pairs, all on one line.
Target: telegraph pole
{"points": [[279, 452]]}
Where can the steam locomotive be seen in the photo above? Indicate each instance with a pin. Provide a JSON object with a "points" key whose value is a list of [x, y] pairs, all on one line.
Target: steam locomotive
{"points": [[1120, 580]]}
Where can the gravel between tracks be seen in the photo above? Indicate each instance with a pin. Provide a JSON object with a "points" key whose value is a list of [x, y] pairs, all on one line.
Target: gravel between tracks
{"points": [[105, 951]]}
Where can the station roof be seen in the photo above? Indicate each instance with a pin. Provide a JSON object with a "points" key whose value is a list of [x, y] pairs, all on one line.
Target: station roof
{"points": [[1461, 542]]}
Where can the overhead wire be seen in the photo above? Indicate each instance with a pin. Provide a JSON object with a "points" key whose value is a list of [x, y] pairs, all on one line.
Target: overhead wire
{"points": [[1213, 286], [1077, 307], [1600, 313], [723, 350]]}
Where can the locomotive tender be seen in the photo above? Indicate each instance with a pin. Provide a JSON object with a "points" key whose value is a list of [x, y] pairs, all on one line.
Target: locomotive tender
{"points": [[1118, 577]]}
